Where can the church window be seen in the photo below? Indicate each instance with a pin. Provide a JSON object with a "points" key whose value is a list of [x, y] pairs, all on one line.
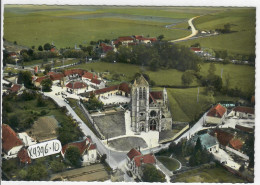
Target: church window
{"points": [[144, 93], [140, 93]]}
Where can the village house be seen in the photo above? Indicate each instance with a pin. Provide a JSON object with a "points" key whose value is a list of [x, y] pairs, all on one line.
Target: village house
{"points": [[74, 74], [16, 88], [87, 149], [76, 86], [227, 139], [124, 40], [243, 112], [57, 78], [122, 89], [37, 81], [10, 142], [209, 142], [216, 115], [135, 160]]}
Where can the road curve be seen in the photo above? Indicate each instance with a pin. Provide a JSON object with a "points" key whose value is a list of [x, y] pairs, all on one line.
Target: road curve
{"points": [[193, 31]]}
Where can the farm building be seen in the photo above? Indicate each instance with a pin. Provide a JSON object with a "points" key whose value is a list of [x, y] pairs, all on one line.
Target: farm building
{"points": [[87, 148], [216, 115], [243, 112], [76, 86]]}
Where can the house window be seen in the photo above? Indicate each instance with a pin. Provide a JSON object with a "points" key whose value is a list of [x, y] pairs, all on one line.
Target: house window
{"points": [[92, 155], [144, 93]]}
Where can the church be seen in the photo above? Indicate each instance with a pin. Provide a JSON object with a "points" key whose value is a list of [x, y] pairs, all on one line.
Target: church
{"points": [[149, 109]]}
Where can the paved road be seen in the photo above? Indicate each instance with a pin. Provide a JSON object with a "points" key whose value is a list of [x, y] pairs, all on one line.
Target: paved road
{"points": [[193, 31]]}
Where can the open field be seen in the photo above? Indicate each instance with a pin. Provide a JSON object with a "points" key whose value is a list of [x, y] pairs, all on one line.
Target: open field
{"points": [[241, 76], [66, 25], [214, 175], [169, 163], [184, 106], [240, 41]]}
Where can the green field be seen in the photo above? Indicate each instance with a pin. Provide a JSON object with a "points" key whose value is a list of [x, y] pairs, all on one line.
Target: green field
{"points": [[170, 163], [213, 175], [70, 25], [241, 76], [241, 41]]}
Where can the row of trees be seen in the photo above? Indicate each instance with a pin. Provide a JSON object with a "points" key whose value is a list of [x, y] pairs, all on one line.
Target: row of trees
{"points": [[159, 55]]}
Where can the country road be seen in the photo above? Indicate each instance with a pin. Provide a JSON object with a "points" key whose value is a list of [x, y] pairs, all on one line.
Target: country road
{"points": [[193, 31]]}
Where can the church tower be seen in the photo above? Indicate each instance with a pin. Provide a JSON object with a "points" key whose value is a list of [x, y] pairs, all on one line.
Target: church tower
{"points": [[140, 105]]}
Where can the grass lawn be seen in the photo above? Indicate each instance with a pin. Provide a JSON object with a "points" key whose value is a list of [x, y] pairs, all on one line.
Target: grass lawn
{"points": [[66, 62], [214, 175], [33, 62], [170, 163], [241, 41]]}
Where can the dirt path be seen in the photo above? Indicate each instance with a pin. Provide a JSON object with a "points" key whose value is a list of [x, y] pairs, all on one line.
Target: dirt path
{"points": [[193, 31]]}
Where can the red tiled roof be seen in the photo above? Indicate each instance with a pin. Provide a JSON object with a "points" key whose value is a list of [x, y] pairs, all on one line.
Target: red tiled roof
{"points": [[53, 49], [138, 36], [23, 156], [217, 111], [9, 138], [125, 38], [106, 89], [56, 76], [248, 110], [89, 75], [80, 72], [124, 87], [95, 81], [157, 95], [15, 88], [151, 98], [132, 153], [153, 39], [40, 79], [195, 49], [76, 85], [145, 159], [82, 146], [223, 137], [236, 144]]}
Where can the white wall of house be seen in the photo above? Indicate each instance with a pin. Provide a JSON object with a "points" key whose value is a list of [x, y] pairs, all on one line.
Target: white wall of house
{"points": [[89, 157], [13, 152], [214, 148], [241, 114]]}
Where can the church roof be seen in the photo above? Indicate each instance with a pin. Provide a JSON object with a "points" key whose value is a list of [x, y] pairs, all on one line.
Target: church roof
{"points": [[141, 81]]}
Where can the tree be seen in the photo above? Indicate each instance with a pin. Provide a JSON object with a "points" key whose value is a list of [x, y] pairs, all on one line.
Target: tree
{"points": [[57, 166], [198, 146], [40, 101], [187, 78], [196, 45], [103, 158], [36, 172], [15, 43], [151, 174], [25, 78], [47, 68], [47, 46], [40, 48], [93, 103], [46, 85], [160, 37], [73, 156], [227, 28]]}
